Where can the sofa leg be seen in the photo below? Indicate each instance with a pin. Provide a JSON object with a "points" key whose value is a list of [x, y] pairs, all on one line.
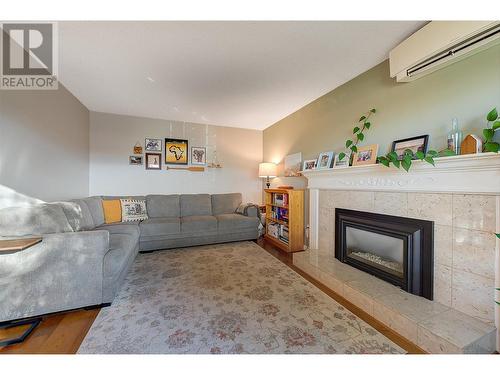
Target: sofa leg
{"points": [[32, 324]]}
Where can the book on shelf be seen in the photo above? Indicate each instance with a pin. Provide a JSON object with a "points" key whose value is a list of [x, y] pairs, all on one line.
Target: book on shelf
{"points": [[280, 199], [279, 213], [278, 231]]}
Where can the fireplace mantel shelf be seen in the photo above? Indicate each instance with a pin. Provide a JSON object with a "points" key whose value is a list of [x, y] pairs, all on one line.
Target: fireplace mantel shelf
{"points": [[475, 173]]}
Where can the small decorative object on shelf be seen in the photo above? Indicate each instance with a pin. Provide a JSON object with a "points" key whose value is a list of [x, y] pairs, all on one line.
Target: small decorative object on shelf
{"points": [[292, 164], [471, 144], [454, 137], [137, 148], [267, 170], [285, 219], [285, 187], [215, 161]]}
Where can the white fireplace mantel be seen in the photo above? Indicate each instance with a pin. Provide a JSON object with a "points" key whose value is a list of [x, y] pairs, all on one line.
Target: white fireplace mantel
{"points": [[474, 173]]}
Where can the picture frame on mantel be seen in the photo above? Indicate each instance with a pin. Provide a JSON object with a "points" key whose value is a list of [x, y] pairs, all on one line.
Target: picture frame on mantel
{"points": [[366, 155]]}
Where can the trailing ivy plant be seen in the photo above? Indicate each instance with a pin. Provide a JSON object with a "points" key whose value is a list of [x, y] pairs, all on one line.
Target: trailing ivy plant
{"points": [[493, 124], [358, 133], [408, 156]]}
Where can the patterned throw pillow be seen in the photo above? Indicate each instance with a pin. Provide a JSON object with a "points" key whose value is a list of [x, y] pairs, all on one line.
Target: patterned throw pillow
{"points": [[133, 210]]}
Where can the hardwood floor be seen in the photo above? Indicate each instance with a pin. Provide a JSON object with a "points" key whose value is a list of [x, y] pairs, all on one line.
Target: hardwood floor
{"points": [[63, 333]]}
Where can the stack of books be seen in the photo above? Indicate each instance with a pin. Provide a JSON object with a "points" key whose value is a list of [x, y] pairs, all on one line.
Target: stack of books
{"points": [[279, 213], [280, 199]]}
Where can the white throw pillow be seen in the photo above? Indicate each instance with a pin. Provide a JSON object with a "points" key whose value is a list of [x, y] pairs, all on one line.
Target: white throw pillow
{"points": [[133, 210]]}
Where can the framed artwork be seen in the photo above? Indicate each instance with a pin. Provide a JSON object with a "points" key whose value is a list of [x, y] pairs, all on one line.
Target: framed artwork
{"points": [[135, 160], [366, 155], [198, 155], [292, 164], [176, 151], [309, 164], [414, 144], [344, 163], [325, 160], [153, 161], [152, 145]]}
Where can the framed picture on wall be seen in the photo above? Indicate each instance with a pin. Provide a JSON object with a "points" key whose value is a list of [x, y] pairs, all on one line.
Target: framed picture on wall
{"points": [[135, 160], [153, 161], [198, 155], [153, 145], [176, 151]]}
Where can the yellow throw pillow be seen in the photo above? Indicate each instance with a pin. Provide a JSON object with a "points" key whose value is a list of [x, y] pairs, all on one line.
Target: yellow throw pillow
{"points": [[112, 211]]}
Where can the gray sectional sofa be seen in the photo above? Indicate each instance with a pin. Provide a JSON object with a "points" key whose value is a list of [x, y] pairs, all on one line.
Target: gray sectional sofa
{"points": [[82, 261]]}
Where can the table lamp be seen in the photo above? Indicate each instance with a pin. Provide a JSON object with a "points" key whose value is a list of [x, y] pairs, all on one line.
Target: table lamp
{"points": [[267, 170]]}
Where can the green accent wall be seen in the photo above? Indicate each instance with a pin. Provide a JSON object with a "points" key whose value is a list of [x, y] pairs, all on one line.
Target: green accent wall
{"points": [[466, 90]]}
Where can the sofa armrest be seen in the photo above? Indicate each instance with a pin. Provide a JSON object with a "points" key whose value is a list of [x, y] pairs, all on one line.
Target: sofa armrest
{"points": [[249, 209], [62, 272]]}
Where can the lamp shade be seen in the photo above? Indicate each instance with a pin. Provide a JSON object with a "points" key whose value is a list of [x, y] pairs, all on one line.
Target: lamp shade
{"points": [[267, 170]]}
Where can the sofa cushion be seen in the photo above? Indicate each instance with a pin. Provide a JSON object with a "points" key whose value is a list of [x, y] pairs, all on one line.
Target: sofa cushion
{"points": [[236, 222], [121, 247], [225, 203], [198, 223], [73, 213], [195, 205], [133, 210], [95, 207], [87, 222], [33, 220], [159, 226], [122, 228], [163, 206], [112, 211]]}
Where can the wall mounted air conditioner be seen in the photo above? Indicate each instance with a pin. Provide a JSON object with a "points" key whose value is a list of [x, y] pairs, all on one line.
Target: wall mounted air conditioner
{"points": [[441, 43]]}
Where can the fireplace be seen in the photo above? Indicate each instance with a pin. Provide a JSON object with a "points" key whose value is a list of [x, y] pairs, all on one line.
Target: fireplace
{"points": [[396, 249]]}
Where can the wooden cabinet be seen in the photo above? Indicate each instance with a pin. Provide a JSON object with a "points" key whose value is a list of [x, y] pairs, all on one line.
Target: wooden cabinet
{"points": [[285, 218]]}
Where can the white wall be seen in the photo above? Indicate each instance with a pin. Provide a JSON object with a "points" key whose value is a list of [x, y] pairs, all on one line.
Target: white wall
{"points": [[44, 146], [112, 138]]}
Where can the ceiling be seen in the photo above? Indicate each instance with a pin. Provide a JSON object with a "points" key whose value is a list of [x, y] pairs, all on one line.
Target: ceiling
{"points": [[240, 74]]}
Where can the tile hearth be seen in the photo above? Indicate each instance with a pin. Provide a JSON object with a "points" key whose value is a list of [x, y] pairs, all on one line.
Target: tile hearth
{"points": [[433, 326]]}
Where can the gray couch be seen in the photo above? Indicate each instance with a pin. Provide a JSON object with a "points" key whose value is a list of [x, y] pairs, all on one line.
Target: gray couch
{"points": [[82, 261]]}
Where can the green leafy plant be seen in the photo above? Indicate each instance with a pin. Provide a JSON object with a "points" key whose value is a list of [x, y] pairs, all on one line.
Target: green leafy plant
{"points": [[409, 156], [358, 133], [492, 126]]}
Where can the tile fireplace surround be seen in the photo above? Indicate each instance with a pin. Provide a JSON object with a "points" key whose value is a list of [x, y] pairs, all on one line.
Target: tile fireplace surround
{"points": [[462, 196]]}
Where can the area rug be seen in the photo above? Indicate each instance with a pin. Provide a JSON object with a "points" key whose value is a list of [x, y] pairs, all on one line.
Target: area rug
{"points": [[229, 298]]}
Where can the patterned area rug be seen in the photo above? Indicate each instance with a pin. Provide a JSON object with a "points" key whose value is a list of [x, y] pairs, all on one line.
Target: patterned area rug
{"points": [[229, 298]]}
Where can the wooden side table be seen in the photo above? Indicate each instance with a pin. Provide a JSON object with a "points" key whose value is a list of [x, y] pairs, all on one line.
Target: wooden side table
{"points": [[10, 247]]}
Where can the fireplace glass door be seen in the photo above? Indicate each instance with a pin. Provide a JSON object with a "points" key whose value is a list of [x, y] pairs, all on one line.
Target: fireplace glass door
{"points": [[384, 252]]}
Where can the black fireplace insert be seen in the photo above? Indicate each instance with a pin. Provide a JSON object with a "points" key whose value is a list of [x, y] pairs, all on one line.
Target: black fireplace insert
{"points": [[396, 249]]}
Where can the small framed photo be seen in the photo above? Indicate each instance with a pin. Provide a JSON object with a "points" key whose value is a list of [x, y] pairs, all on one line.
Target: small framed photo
{"points": [[152, 145], [198, 155], [325, 160], [366, 155], [153, 161], [176, 151], [344, 163], [309, 164], [135, 160], [414, 144]]}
